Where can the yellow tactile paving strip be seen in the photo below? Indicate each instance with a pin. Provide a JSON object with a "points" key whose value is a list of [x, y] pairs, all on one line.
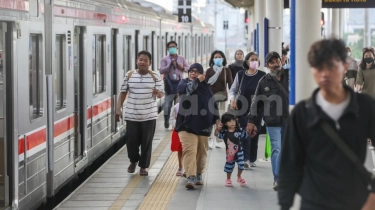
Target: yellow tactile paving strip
{"points": [[161, 192], [128, 190]]}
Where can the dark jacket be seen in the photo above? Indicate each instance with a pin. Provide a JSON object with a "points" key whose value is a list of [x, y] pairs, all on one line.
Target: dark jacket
{"points": [[235, 69], [197, 110], [311, 163], [270, 100]]}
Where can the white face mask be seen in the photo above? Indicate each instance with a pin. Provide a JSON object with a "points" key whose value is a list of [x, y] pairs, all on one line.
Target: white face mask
{"points": [[349, 54]]}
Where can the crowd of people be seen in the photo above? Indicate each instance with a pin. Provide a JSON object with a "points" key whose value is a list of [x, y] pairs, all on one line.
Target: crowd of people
{"points": [[318, 150]]}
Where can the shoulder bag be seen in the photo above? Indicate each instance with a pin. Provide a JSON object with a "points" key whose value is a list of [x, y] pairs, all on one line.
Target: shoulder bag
{"points": [[235, 112], [367, 176], [221, 96]]}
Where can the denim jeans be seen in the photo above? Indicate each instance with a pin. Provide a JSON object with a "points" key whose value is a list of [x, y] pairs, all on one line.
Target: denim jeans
{"points": [[275, 134], [168, 101]]}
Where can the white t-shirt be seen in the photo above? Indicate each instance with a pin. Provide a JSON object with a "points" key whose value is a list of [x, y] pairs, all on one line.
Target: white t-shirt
{"points": [[334, 111], [141, 105]]}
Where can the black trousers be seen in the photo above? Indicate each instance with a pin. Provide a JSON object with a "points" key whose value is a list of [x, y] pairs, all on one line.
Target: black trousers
{"points": [[140, 134]]}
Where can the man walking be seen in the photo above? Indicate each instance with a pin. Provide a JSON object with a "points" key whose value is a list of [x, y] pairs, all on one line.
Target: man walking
{"points": [[324, 147], [143, 87], [272, 101], [172, 67]]}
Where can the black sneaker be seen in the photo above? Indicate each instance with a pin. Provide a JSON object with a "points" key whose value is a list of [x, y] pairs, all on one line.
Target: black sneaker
{"points": [[166, 124]]}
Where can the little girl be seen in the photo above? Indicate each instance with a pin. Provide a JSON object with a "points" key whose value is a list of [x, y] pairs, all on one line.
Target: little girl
{"points": [[233, 136], [176, 145]]}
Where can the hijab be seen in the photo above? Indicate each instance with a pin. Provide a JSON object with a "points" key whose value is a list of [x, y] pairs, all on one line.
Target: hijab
{"points": [[238, 63]]}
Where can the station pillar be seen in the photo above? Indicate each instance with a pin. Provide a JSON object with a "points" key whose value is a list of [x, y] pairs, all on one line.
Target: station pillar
{"points": [[274, 12], [260, 11], [336, 23], [367, 33], [305, 30]]}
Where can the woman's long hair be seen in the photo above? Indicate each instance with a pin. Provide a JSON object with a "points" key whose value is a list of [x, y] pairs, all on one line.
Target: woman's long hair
{"points": [[363, 63], [211, 63]]}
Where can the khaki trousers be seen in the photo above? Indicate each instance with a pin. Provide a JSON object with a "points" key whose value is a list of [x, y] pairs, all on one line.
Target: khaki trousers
{"points": [[194, 152]]}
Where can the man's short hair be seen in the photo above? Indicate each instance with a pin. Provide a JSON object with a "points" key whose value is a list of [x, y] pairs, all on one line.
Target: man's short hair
{"points": [[324, 51], [171, 42], [145, 53]]}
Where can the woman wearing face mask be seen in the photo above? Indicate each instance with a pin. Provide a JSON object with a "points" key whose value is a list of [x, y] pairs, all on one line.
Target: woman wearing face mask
{"points": [[218, 77], [238, 64], [366, 73], [244, 85]]}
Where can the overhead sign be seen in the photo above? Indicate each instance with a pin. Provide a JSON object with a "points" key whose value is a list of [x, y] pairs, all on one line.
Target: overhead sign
{"points": [[348, 4], [184, 11], [225, 25], [343, 4]]}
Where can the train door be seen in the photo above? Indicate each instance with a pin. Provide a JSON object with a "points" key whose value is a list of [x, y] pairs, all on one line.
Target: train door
{"points": [[114, 75], [5, 120], [80, 113]]}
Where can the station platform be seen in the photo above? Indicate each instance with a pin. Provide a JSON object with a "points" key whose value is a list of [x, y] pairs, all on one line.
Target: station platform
{"points": [[112, 188]]}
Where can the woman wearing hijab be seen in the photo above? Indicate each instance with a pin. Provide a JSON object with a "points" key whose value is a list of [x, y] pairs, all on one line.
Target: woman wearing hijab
{"points": [[245, 85], [238, 63], [218, 77], [195, 119]]}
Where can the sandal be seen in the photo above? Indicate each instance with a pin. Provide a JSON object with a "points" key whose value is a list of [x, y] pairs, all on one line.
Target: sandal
{"points": [[131, 168], [242, 181], [143, 172], [179, 172], [228, 183]]}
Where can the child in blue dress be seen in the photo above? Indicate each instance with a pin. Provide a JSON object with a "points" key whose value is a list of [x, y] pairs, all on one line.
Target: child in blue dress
{"points": [[233, 135]]}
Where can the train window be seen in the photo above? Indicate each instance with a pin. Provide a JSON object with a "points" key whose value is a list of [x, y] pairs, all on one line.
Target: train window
{"points": [[180, 44], [159, 48], [60, 72], [199, 46], [145, 43], [126, 61], [36, 75], [186, 48], [99, 73]]}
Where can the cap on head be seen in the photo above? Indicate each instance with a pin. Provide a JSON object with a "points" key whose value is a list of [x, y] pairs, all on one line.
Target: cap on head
{"points": [[271, 55], [198, 66]]}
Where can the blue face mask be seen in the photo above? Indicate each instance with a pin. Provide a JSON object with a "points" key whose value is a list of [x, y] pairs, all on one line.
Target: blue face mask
{"points": [[218, 61], [172, 50]]}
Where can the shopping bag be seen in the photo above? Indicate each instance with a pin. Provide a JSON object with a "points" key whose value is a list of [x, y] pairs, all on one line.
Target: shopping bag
{"points": [[267, 149], [176, 145]]}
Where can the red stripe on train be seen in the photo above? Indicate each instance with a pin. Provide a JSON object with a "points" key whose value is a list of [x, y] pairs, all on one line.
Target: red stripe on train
{"points": [[39, 137], [15, 4]]}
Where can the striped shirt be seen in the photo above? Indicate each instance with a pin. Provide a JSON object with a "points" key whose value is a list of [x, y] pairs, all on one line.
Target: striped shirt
{"points": [[141, 105]]}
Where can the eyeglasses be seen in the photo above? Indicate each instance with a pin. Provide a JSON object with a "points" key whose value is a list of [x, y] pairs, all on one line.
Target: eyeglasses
{"points": [[193, 71]]}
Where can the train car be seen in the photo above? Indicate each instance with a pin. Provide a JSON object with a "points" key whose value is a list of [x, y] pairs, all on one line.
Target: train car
{"points": [[71, 58]]}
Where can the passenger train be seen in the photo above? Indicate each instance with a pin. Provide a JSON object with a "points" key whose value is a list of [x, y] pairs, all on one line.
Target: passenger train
{"points": [[61, 68]]}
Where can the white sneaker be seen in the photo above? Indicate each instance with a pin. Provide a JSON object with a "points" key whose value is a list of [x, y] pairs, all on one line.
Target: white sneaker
{"points": [[210, 143], [253, 165], [275, 186], [247, 164]]}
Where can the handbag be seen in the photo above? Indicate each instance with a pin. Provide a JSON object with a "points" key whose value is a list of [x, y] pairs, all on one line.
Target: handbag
{"points": [[170, 86], [235, 112], [221, 96], [367, 176]]}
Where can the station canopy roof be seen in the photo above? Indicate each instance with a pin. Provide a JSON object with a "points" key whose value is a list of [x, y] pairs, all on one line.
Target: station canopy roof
{"points": [[241, 3]]}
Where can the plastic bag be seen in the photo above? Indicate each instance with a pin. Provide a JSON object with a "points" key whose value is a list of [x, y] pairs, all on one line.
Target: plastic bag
{"points": [[268, 148], [176, 145]]}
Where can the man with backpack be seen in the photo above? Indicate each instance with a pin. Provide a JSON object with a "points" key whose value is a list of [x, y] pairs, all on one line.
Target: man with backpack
{"points": [[142, 86], [172, 67], [324, 147]]}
